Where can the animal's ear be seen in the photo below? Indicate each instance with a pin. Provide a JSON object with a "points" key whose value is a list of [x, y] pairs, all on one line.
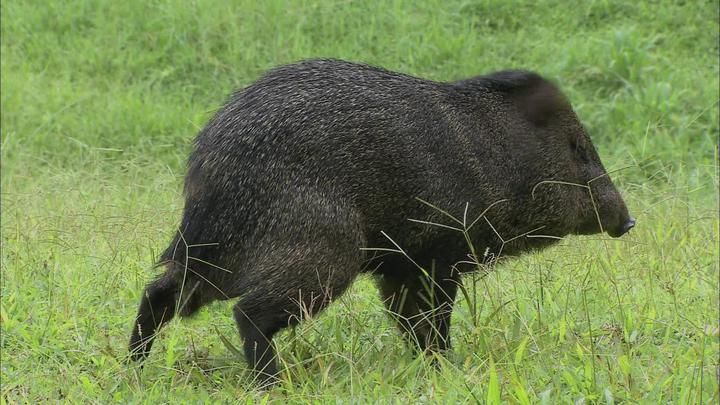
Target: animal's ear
{"points": [[541, 103], [538, 99]]}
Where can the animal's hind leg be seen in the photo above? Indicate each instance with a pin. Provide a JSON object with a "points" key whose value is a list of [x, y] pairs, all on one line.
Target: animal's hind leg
{"points": [[257, 333], [308, 253], [291, 277], [290, 291], [157, 307]]}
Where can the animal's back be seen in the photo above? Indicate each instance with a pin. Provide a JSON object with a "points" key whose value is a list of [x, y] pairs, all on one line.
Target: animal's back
{"points": [[372, 137]]}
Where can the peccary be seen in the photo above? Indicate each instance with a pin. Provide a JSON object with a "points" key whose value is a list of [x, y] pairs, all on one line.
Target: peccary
{"points": [[300, 173]]}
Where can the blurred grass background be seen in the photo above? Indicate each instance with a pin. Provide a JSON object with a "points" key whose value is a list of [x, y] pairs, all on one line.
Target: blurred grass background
{"points": [[101, 101]]}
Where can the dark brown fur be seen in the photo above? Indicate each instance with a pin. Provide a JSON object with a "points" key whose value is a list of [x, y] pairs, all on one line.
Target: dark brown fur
{"points": [[315, 161]]}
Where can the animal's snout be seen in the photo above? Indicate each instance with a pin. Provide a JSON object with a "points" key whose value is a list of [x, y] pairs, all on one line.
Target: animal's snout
{"points": [[630, 224], [623, 229]]}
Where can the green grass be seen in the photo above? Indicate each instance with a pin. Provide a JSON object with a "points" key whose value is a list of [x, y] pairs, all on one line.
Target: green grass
{"points": [[101, 100]]}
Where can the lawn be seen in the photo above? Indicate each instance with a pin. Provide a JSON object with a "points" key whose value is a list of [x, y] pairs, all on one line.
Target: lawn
{"points": [[101, 101]]}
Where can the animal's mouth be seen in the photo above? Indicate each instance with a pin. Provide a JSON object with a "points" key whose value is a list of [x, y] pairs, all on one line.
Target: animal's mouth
{"points": [[615, 231]]}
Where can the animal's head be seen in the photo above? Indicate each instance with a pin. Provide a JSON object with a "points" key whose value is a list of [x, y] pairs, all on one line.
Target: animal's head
{"points": [[570, 190]]}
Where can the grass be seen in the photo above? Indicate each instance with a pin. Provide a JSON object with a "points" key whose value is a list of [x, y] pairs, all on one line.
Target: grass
{"points": [[101, 100]]}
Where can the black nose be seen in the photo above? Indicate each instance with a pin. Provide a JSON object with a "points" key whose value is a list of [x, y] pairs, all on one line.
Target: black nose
{"points": [[628, 225]]}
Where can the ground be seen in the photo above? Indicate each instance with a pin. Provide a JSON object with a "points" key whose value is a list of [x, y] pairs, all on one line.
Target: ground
{"points": [[101, 101]]}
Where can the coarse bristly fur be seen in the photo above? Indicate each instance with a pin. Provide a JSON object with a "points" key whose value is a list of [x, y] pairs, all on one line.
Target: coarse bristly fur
{"points": [[302, 170]]}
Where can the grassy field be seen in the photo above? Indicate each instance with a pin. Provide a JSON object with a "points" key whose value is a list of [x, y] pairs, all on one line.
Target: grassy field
{"points": [[100, 103]]}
